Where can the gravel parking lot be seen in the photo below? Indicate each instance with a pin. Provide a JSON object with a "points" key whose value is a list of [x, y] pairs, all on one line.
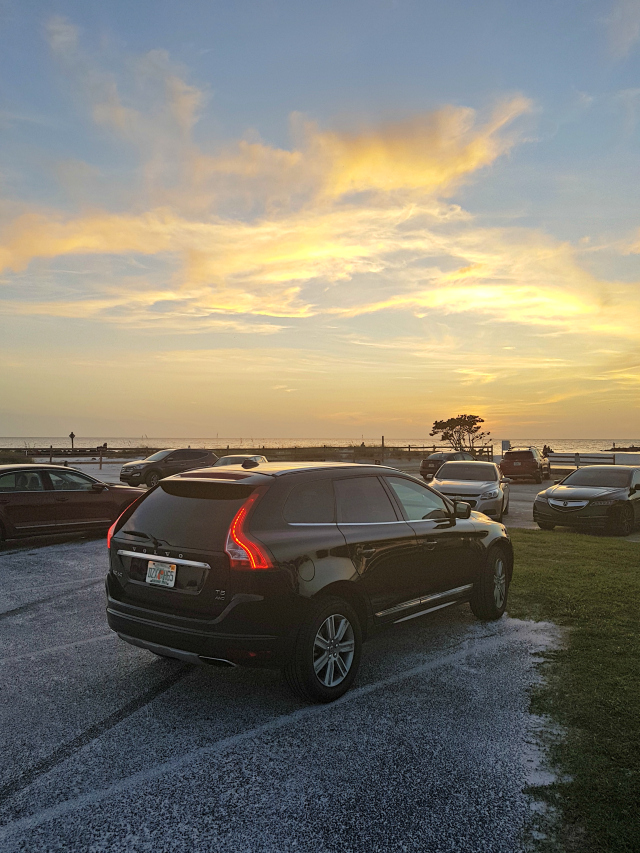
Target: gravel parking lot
{"points": [[108, 748]]}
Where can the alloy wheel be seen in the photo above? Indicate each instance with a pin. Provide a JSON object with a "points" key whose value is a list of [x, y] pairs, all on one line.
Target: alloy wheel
{"points": [[333, 650], [626, 520], [153, 480], [499, 582]]}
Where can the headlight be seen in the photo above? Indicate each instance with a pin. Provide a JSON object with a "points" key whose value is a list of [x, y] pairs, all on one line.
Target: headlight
{"points": [[134, 467], [602, 503], [488, 495]]}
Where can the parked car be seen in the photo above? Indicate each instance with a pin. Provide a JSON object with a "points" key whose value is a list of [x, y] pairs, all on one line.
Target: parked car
{"points": [[430, 465], [601, 497], [165, 463], [480, 484], [39, 499], [526, 464], [238, 460], [294, 564]]}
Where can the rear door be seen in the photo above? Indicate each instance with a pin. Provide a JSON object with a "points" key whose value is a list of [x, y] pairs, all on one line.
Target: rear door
{"points": [[78, 503], [26, 502], [381, 544], [448, 547]]}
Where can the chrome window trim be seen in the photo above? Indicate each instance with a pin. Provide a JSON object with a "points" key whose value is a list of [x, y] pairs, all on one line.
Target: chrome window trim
{"points": [[425, 599], [159, 559]]}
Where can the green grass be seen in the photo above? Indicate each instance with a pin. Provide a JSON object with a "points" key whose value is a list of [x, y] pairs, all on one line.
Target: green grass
{"points": [[590, 584]]}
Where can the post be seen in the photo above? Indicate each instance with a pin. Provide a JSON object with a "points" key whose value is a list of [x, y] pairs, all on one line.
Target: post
{"points": [[101, 457], [382, 450], [577, 460], [50, 454]]}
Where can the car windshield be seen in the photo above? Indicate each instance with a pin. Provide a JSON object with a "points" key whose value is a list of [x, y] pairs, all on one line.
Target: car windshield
{"points": [[161, 454], [518, 454], [232, 460], [603, 477], [480, 471], [437, 456]]}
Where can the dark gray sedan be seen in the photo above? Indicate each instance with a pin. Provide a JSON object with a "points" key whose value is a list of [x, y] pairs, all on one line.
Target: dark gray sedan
{"points": [[602, 497]]}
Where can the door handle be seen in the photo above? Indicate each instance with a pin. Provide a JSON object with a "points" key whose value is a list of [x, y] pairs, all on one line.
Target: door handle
{"points": [[367, 552], [428, 544], [61, 500]]}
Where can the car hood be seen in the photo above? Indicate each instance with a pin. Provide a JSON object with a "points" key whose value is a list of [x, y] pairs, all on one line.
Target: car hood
{"points": [[583, 493], [464, 487], [137, 462]]}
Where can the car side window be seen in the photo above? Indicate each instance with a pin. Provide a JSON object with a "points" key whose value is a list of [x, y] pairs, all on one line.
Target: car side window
{"points": [[310, 503], [21, 481], [636, 479], [70, 481], [418, 502], [363, 500]]}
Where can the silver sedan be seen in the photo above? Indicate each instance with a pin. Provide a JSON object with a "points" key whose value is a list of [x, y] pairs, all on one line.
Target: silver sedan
{"points": [[478, 483]]}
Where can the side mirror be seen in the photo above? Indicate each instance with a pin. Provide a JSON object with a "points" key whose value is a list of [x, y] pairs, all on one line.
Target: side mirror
{"points": [[461, 509], [98, 487], [507, 480], [555, 482]]}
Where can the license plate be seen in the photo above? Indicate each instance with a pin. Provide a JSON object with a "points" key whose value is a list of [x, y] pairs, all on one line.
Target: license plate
{"points": [[517, 463], [161, 574]]}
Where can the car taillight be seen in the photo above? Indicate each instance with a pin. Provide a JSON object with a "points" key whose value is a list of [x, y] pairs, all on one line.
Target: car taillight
{"points": [[112, 529], [110, 532], [245, 554]]}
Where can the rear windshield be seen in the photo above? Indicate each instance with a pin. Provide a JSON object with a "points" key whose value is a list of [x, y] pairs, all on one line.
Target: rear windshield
{"points": [[598, 477], [232, 460], [467, 471], [186, 514], [518, 454]]}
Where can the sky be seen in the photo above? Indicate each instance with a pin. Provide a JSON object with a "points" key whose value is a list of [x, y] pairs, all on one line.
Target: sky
{"points": [[327, 219]]}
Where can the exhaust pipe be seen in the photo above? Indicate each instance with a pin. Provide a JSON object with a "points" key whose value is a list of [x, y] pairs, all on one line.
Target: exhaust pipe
{"points": [[217, 661]]}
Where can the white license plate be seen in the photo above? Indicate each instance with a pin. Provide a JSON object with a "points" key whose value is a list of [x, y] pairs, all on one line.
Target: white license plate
{"points": [[517, 463], [161, 574]]}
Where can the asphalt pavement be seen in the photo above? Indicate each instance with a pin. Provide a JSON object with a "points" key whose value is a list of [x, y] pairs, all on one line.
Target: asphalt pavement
{"points": [[108, 748]]}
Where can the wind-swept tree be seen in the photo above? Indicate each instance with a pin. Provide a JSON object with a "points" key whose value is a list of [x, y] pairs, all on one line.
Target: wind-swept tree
{"points": [[462, 432]]}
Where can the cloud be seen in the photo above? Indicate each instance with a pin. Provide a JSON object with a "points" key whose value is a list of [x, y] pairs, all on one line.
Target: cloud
{"points": [[623, 25]]}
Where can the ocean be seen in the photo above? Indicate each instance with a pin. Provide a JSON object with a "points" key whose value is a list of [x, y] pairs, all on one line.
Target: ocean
{"points": [[559, 445]]}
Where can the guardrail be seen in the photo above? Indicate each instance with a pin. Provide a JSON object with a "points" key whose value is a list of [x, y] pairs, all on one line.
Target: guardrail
{"points": [[579, 460]]}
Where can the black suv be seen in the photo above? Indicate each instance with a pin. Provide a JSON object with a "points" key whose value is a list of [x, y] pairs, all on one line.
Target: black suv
{"points": [[292, 565], [165, 463]]}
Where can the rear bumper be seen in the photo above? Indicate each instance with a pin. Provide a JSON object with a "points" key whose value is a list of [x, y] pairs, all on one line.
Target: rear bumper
{"points": [[230, 636]]}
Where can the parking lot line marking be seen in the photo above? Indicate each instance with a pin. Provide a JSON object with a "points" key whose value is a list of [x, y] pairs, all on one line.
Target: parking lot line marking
{"points": [[52, 649], [68, 749], [49, 585], [16, 611], [469, 645]]}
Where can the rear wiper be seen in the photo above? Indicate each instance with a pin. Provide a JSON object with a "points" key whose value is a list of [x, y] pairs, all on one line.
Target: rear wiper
{"points": [[153, 539]]}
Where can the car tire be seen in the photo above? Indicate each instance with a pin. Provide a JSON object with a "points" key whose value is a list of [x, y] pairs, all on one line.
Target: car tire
{"points": [[545, 525], [152, 479], [505, 509], [306, 674], [622, 522], [489, 597], [538, 477]]}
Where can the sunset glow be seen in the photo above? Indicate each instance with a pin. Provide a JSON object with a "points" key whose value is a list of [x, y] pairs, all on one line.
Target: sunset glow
{"points": [[173, 264]]}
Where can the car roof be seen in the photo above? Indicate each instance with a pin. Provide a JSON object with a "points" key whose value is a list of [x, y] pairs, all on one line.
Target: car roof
{"points": [[278, 469], [475, 462], [32, 466]]}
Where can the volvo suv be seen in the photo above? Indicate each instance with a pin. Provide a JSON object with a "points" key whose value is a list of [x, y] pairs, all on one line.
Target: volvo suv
{"points": [[292, 565]]}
